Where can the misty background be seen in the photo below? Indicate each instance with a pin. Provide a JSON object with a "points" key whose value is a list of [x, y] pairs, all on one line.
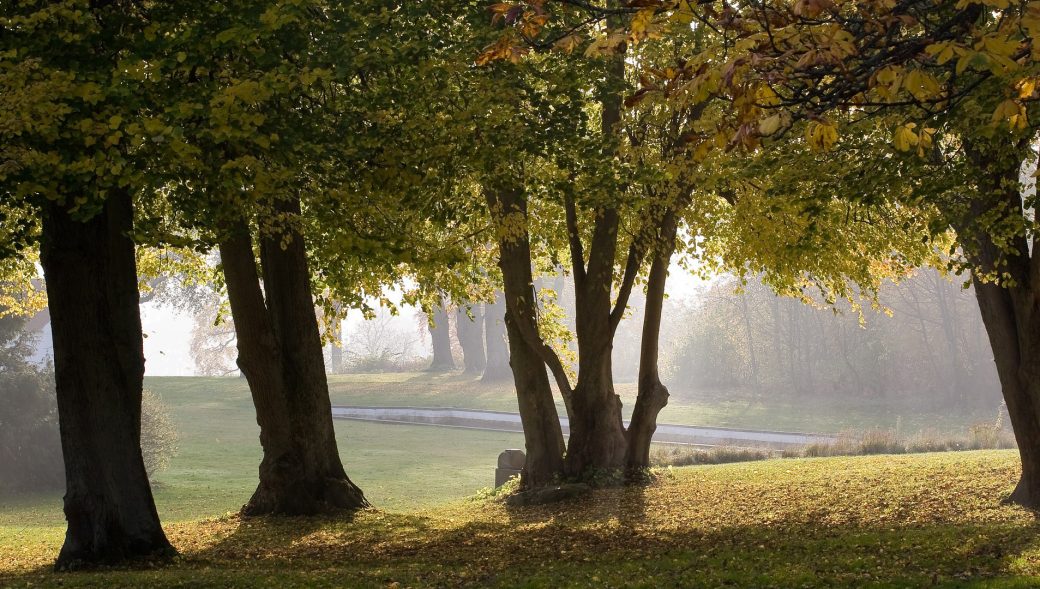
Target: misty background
{"points": [[925, 348]]}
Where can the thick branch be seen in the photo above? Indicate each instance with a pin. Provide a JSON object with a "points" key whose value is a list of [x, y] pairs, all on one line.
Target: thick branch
{"points": [[574, 238], [632, 265]]}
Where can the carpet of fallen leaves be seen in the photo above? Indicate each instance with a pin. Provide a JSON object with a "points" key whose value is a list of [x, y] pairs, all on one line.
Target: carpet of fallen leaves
{"points": [[911, 520]]}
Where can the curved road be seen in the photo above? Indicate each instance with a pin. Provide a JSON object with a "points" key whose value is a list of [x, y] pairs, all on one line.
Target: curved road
{"points": [[510, 422]]}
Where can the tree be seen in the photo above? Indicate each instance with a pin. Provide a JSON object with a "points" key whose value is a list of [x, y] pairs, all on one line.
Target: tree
{"points": [[440, 334], [69, 85], [963, 73], [497, 368], [469, 328], [695, 108], [265, 153], [30, 447]]}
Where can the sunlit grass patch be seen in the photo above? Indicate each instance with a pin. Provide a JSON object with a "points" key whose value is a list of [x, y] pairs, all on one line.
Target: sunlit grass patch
{"points": [[903, 521]]}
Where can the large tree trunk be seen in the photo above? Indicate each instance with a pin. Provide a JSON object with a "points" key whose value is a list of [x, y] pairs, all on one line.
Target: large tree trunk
{"points": [[1012, 319], [91, 279], [652, 395], [597, 433], [542, 432], [470, 332], [497, 368], [440, 333], [1011, 309], [280, 355]]}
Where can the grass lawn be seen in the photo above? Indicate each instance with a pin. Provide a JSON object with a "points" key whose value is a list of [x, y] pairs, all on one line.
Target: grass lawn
{"points": [[709, 408], [398, 466], [829, 414], [889, 521], [215, 469]]}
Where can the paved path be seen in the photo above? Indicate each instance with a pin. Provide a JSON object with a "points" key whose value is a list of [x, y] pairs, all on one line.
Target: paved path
{"points": [[510, 422]]}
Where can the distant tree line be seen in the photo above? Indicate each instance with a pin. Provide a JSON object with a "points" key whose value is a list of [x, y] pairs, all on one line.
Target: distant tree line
{"points": [[933, 347]]}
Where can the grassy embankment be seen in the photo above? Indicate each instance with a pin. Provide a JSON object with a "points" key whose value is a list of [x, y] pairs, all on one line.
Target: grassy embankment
{"points": [[896, 521]]}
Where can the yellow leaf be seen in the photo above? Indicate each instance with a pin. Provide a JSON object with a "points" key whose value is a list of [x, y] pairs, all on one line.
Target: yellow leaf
{"points": [[821, 136], [1013, 112], [904, 137], [1026, 87], [568, 44], [769, 125]]}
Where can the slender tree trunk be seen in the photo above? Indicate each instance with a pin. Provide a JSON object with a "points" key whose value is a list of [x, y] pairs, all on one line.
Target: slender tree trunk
{"points": [[470, 332], [652, 395], [280, 355], [91, 279], [260, 360], [542, 432], [497, 368], [440, 333]]}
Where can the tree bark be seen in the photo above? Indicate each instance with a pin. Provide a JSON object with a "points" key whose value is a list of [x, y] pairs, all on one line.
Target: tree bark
{"points": [[542, 432], [497, 368], [280, 355], [470, 332], [652, 395], [1012, 320], [92, 290], [440, 333], [1011, 309]]}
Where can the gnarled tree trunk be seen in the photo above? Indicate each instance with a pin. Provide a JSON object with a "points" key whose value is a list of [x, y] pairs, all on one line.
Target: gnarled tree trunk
{"points": [[91, 279], [470, 331], [280, 355]]}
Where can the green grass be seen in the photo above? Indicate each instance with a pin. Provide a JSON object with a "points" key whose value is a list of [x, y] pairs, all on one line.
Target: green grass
{"points": [[881, 521], [416, 473], [718, 408], [402, 466], [215, 469]]}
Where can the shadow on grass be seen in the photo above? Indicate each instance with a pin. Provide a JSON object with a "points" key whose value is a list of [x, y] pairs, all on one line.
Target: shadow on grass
{"points": [[602, 541]]}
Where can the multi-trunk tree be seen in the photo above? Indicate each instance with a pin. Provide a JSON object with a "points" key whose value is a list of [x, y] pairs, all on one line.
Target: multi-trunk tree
{"points": [[698, 113], [952, 83]]}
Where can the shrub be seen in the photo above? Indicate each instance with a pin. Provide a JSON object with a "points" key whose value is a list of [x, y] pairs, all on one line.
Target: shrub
{"points": [[881, 441], [690, 456], [931, 440], [845, 444], [981, 436], [30, 443], [30, 448], [984, 435], [158, 435]]}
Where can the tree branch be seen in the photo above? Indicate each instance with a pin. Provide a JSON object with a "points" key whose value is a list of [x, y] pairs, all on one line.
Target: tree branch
{"points": [[632, 265], [574, 239]]}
